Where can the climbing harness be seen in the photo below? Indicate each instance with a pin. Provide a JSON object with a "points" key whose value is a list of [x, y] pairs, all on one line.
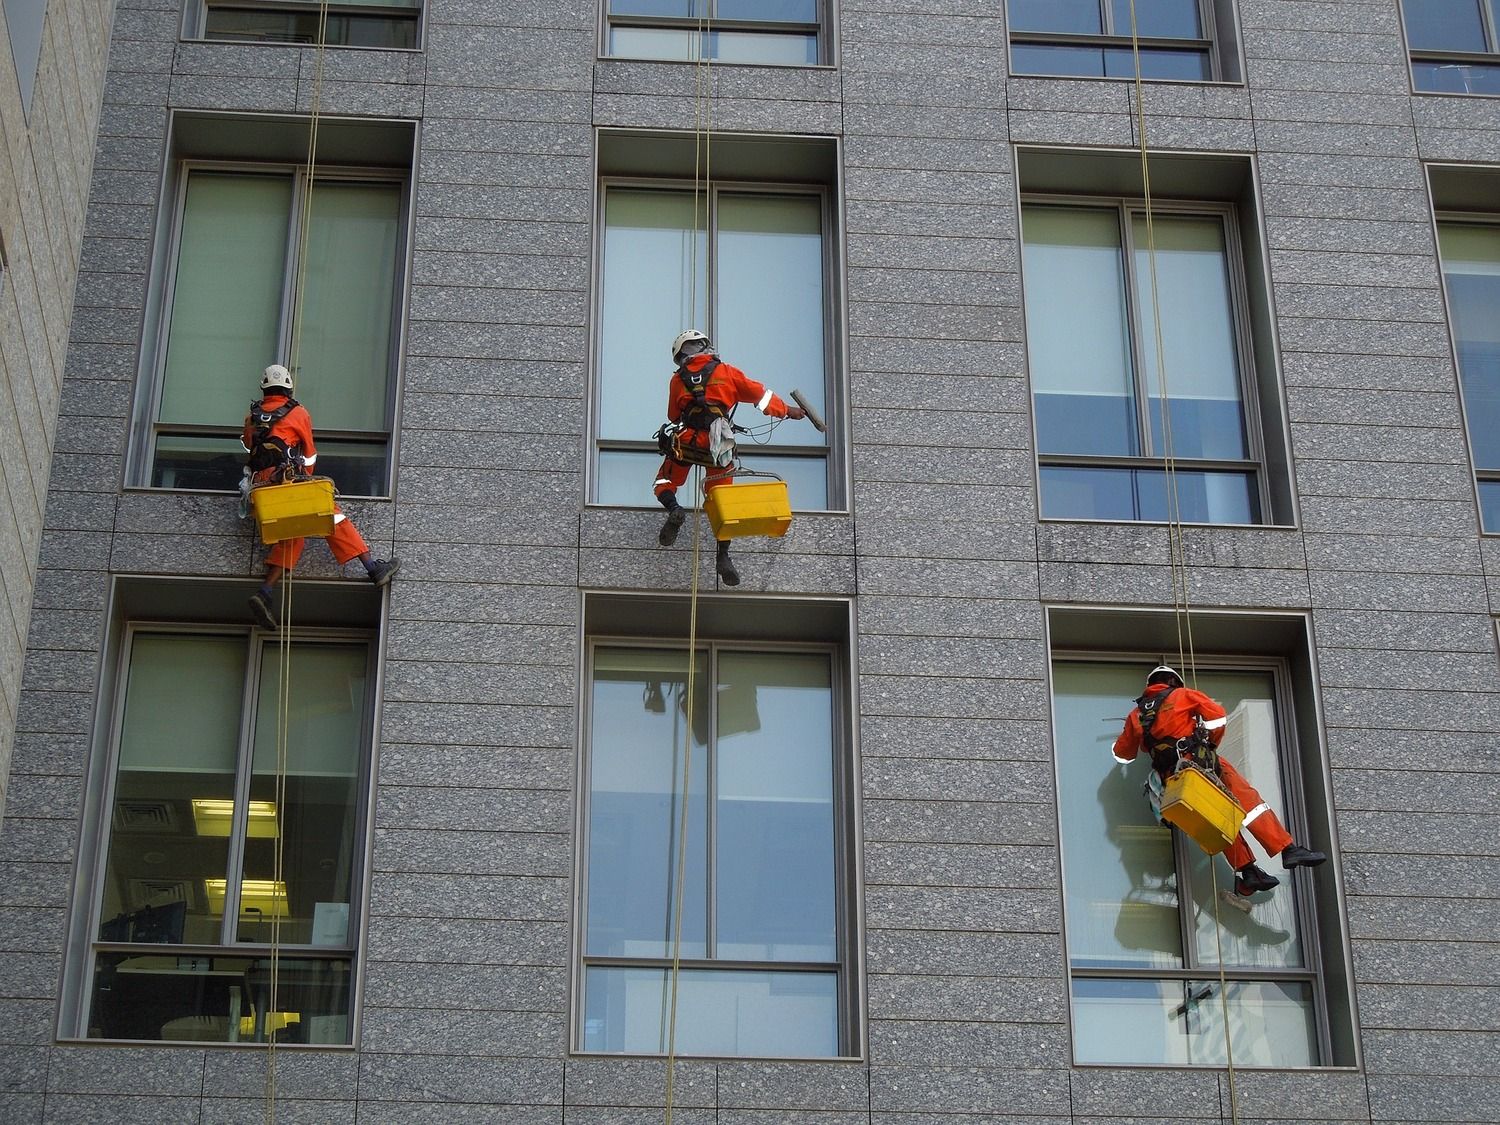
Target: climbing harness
{"points": [[267, 451]]}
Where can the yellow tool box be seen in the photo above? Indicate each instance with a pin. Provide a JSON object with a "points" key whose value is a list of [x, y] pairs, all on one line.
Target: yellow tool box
{"points": [[300, 509], [1197, 805], [759, 508]]}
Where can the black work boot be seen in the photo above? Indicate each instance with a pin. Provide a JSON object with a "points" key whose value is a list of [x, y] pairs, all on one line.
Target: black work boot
{"points": [[1250, 879], [383, 570], [671, 525], [262, 610], [725, 565], [1295, 855]]}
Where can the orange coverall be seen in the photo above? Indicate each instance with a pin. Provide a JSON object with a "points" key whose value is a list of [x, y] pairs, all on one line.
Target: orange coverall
{"points": [[295, 428], [727, 387], [1175, 719]]}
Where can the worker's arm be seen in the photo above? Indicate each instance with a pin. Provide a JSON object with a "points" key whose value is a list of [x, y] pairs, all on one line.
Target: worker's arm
{"points": [[301, 422], [1209, 712], [766, 401], [1128, 745], [674, 399]]}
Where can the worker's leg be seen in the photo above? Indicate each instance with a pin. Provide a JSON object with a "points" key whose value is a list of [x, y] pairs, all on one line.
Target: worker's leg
{"points": [[347, 543], [723, 564], [1262, 823], [282, 557], [669, 478]]}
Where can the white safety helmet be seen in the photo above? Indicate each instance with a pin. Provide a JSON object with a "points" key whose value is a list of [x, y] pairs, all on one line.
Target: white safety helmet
{"points": [[1160, 672], [691, 336], [276, 376]]}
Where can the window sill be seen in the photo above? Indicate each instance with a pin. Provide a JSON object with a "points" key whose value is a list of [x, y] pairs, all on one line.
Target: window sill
{"points": [[154, 490], [844, 1060], [1164, 523], [715, 63], [301, 46], [1226, 83]]}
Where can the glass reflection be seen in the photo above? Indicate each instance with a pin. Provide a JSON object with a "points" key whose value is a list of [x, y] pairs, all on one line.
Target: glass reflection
{"points": [[639, 738], [207, 998], [719, 1012], [1181, 1023]]}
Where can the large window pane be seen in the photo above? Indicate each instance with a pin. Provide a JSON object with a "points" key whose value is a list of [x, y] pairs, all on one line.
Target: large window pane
{"points": [[775, 844], [214, 999], [174, 795], [226, 296], [1202, 368], [1158, 63], [650, 294], [1471, 272], [639, 736], [771, 295], [1181, 1023], [730, 1013], [1077, 333], [1085, 493], [1076, 17], [1444, 25], [1121, 894], [325, 710], [1162, 19], [345, 351]]}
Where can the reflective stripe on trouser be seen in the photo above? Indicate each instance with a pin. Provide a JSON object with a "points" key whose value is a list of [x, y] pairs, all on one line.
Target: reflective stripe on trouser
{"points": [[345, 542], [1264, 825]]}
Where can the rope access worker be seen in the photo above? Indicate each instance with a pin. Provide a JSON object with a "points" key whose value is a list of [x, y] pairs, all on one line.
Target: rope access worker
{"points": [[1169, 716], [702, 395], [278, 435]]}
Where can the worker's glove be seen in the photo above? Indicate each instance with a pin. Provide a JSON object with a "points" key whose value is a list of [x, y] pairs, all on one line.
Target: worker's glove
{"points": [[796, 413]]}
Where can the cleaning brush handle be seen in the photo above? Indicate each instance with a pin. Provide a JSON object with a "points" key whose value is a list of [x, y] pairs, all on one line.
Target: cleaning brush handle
{"points": [[812, 415]]}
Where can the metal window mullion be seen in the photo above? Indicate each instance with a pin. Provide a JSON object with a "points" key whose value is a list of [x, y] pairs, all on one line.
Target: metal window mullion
{"points": [[1237, 975], [1244, 350], [144, 459], [1107, 42], [738, 965], [710, 246], [244, 767], [843, 859], [1134, 327], [301, 198]]}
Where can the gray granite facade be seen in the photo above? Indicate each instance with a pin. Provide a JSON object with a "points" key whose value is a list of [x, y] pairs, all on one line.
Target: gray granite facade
{"points": [[468, 943]]}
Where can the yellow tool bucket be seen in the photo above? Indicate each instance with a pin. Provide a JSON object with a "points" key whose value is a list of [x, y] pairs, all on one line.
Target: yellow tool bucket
{"points": [[737, 510], [296, 510], [1200, 808]]}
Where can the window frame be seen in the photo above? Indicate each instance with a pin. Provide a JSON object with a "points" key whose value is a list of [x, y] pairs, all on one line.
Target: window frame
{"points": [[1489, 19], [1481, 476], [89, 947], [1119, 39], [1290, 805], [1127, 209], [820, 30], [141, 463], [195, 21], [830, 451], [849, 989]]}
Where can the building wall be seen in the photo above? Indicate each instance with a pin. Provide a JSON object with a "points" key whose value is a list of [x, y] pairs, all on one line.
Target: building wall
{"points": [[467, 953], [44, 182]]}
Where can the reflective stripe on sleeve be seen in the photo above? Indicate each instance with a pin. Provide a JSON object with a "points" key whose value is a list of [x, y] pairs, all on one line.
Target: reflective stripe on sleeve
{"points": [[1122, 761], [1256, 811], [313, 460], [1215, 724], [663, 480], [339, 517], [765, 400]]}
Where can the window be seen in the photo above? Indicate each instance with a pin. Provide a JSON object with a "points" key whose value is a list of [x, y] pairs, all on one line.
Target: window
{"points": [[356, 23], [24, 22], [232, 282], [749, 263], [1455, 45], [188, 900], [764, 927], [1470, 251], [1186, 40], [1144, 928], [783, 32], [1102, 434]]}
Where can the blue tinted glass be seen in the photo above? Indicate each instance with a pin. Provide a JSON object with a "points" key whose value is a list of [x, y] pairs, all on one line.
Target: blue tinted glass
{"points": [[1079, 62], [1471, 272], [1455, 78], [1085, 424], [1444, 25], [681, 9], [1075, 17], [1489, 505], [1080, 492], [637, 745], [1163, 19], [719, 1012], [1181, 1023], [1178, 66], [782, 11]]}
